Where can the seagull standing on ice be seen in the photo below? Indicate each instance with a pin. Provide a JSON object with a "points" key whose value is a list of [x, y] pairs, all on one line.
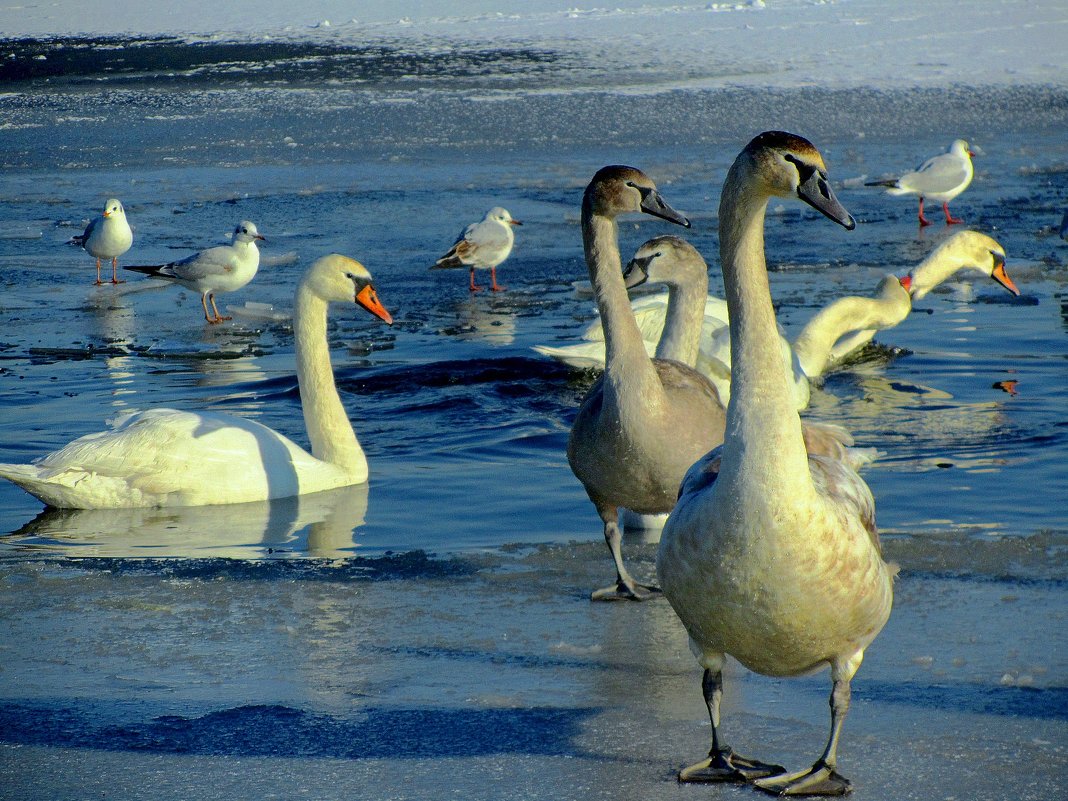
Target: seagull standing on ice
{"points": [[941, 178], [482, 245], [221, 269], [107, 237]]}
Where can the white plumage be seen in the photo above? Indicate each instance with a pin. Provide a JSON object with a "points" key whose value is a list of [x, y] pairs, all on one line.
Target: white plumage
{"points": [[107, 237]]}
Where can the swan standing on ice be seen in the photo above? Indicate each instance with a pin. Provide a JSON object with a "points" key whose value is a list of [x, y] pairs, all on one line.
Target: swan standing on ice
{"points": [[482, 245], [166, 457], [771, 555], [646, 420], [226, 268], [941, 177], [107, 237]]}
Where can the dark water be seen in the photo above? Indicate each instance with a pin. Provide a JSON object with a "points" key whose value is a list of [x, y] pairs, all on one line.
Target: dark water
{"points": [[383, 152]]}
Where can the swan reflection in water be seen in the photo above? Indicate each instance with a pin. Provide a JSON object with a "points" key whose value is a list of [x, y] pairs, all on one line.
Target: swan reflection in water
{"points": [[320, 525]]}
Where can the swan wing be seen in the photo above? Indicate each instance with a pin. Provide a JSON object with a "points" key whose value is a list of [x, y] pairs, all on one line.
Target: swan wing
{"points": [[840, 485]]}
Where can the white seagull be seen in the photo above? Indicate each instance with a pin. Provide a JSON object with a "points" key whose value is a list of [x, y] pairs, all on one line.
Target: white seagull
{"points": [[226, 268], [941, 177], [107, 237], [482, 245]]}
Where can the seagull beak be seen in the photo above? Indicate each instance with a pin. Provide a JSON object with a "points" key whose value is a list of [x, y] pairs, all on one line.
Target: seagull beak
{"points": [[261, 237], [514, 222], [106, 213], [653, 204], [815, 191], [906, 283], [1002, 277], [368, 298]]}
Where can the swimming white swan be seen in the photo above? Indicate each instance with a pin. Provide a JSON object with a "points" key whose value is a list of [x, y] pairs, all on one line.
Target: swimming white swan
{"points": [[848, 324], [226, 268], [941, 177], [840, 329], [107, 237], [482, 245], [646, 420], [166, 457], [771, 555]]}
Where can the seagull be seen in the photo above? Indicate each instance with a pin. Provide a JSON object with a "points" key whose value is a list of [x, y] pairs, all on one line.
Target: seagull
{"points": [[220, 269], [941, 177], [107, 237], [483, 244]]}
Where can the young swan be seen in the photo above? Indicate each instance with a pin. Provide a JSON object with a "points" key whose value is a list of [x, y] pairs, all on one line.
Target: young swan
{"points": [[771, 555], [646, 420], [166, 457]]}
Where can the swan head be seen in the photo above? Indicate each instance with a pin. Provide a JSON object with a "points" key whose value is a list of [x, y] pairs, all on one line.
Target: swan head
{"points": [[339, 279], [789, 165], [664, 260], [113, 208], [246, 232], [501, 215], [618, 189], [965, 250]]}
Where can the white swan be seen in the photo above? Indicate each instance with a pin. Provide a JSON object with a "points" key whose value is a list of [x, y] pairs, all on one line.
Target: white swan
{"points": [[840, 329], [166, 457], [226, 268], [849, 324], [646, 420], [771, 555], [482, 245], [107, 237], [941, 177]]}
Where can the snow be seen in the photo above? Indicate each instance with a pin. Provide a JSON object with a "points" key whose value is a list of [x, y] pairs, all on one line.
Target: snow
{"points": [[779, 42]]}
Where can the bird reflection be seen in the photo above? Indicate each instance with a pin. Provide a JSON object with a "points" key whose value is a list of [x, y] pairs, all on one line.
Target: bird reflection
{"points": [[322, 524], [484, 320]]}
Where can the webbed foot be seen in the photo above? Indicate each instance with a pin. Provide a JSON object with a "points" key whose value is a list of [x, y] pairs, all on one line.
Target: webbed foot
{"points": [[727, 766], [627, 591], [820, 779]]}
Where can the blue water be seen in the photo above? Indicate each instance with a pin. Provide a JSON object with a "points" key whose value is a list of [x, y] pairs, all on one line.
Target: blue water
{"points": [[448, 595]]}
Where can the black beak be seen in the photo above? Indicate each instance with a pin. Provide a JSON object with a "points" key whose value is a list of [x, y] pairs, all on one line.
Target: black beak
{"points": [[815, 191], [653, 204], [636, 272]]}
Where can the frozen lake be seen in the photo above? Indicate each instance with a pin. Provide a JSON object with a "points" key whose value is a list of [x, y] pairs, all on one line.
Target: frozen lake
{"points": [[429, 635]]}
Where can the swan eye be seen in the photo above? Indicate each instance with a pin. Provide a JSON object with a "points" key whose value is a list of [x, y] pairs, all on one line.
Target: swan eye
{"points": [[999, 259]]}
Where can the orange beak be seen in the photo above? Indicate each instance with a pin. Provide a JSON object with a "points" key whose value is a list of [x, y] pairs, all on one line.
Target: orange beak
{"points": [[106, 213], [906, 283], [368, 298], [1002, 278], [514, 222]]}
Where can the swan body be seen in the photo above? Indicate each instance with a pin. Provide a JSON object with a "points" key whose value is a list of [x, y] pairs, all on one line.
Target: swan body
{"points": [[483, 246], [226, 268], [168, 457], [645, 420], [107, 237], [771, 554], [941, 177]]}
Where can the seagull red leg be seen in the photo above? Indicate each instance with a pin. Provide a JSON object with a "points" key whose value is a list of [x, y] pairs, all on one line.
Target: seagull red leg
{"points": [[923, 220], [950, 219]]}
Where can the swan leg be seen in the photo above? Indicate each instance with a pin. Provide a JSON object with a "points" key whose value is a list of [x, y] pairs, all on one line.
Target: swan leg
{"points": [[625, 588], [821, 778], [474, 287], [115, 271], [723, 765], [950, 219], [923, 220], [98, 281], [493, 281]]}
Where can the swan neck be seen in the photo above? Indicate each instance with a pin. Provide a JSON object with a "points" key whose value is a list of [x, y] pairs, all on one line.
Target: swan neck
{"points": [[624, 349], [329, 429], [763, 429], [681, 338]]}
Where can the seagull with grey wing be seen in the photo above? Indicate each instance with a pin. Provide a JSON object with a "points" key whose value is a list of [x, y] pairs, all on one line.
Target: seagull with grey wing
{"points": [[107, 237], [941, 177], [482, 245], [220, 269]]}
